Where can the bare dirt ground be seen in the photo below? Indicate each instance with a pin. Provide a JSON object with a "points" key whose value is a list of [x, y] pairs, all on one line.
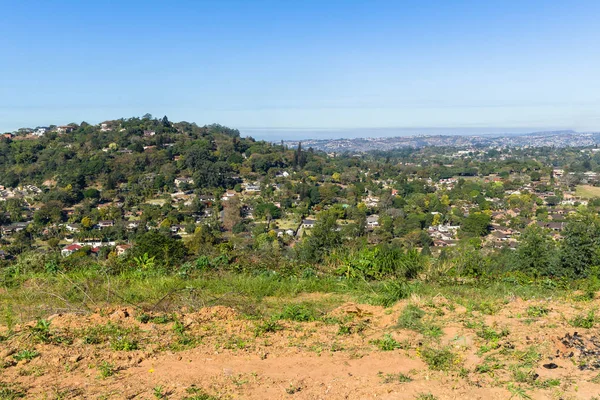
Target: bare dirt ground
{"points": [[522, 349]]}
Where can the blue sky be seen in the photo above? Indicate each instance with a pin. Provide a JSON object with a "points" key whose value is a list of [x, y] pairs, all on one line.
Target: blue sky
{"points": [[303, 64]]}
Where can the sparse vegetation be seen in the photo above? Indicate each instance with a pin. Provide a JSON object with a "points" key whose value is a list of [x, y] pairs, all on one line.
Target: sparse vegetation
{"points": [[442, 359], [106, 369], [395, 378], [586, 321]]}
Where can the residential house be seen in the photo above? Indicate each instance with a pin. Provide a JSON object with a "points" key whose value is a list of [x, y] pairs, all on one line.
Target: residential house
{"points": [[72, 228], [121, 249], [14, 228], [308, 223], [228, 195], [106, 224], [65, 129], [373, 221], [70, 249], [183, 180]]}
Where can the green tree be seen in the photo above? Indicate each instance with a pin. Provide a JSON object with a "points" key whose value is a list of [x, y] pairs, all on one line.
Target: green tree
{"points": [[536, 253]]}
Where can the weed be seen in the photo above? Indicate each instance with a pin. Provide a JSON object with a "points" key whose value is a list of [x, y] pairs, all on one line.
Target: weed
{"points": [[392, 292], [25, 355], [344, 329], [393, 378], [412, 318], [179, 327], [298, 313], [158, 392], [106, 369], [388, 343], [439, 359], [347, 329], [41, 330], [584, 321], [528, 357], [486, 367], [518, 392], [292, 389], [537, 311], [199, 394], [425, 396], [488, 333], [10, 391], [124, 344], [159, 319], [269, 326]]}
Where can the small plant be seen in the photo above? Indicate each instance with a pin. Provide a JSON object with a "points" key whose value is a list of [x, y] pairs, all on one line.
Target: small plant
{"points": [[517, 392], [159, 319], [158, 392], [412, 318], [344, 329], [537, 311], [584, 321], [26, 355], [199, 394], [388, 343], [298, 313], [179, 328], [488, 333], [41, 330], [124, 344], [144, 262], [425, 396], [439, 359], [292, 389], [392, 292], [10, 391], [269, 326], [395, 378], [107, 369]]}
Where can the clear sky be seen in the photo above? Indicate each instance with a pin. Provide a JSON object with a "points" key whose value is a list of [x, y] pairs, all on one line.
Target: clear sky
{"points": [[303, 64]]}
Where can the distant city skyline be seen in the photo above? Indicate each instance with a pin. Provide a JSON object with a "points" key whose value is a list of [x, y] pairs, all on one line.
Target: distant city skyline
{"points": [[346, 65]]}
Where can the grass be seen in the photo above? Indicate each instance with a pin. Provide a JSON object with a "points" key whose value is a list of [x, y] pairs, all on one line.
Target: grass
{"points": [[9, 391], [394, 378], [411, 318], [388, 343], [120, 338], [245, 292], [587, 191], [269, 326], [425, 396], [25, 355], [198, 394], [584, 321], [106, 370], [298, 312], [537, 311], [442, 359]]}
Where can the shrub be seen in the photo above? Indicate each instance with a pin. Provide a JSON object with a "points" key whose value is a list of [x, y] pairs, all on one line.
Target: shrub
{"points": [[387, 343], [439, 359], [298, 313], [584, 321]]}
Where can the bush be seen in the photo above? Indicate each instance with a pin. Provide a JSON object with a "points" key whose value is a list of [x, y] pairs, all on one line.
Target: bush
{"points": [[439, 359], [298, 313]]}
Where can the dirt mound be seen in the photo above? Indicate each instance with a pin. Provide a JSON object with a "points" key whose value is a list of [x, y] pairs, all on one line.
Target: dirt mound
{"points": [[521, 349]]}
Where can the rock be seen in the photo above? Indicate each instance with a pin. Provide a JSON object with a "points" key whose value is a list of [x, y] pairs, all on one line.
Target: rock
{"points": [[550, 366], [74, 359], [7, 353]]}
